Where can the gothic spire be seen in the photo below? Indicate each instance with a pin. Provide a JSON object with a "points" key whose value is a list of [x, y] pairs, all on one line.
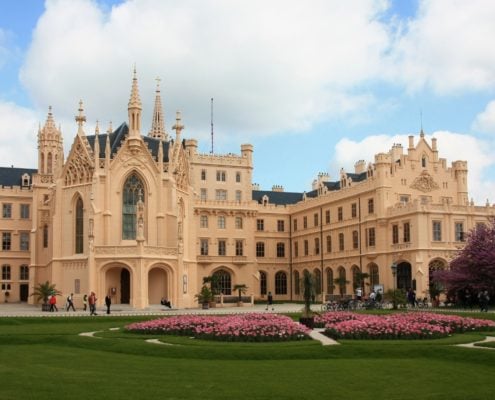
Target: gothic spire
{"points": [[80, 119], [134, 109], [158, 122], [178, 126]]}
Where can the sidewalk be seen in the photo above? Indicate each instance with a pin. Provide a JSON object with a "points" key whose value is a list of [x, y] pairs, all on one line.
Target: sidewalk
{"points": [[27, 310]]}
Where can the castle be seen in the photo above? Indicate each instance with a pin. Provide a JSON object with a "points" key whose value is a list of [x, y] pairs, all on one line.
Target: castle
{"points": [[142, 217]]}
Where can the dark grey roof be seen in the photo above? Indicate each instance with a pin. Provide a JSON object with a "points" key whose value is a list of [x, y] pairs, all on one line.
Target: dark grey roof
{"points": [[278, 198], [358, 177], [117, 138], [13, 176]]}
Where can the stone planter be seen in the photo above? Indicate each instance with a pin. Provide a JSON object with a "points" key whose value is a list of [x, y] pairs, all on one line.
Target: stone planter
{"points": [[45, 307], [205, 306]]}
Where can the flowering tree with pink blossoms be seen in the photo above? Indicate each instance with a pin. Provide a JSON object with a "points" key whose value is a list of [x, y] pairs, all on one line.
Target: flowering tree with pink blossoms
{"points": [[474, 266]]}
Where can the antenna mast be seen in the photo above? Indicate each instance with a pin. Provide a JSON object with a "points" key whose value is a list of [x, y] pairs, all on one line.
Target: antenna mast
{"points": [[211, 126]]}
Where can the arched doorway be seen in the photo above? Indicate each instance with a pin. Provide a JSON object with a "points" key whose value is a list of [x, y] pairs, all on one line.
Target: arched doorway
{"points": [[157, 285], [125, 286], [117, 284], [404, 277]]}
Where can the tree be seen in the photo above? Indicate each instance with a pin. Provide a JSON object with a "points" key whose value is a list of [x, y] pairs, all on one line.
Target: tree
{"points": [[241, 289], [341, 282], [360, 280], [474, 266], [44, 290], [309, 292]]}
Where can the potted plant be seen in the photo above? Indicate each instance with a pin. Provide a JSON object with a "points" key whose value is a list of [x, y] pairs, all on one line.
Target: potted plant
{"points": [[43, 291], [308, 289], [241, 289], [205, 296], [341, 282], [7, 294], [212, 282]]}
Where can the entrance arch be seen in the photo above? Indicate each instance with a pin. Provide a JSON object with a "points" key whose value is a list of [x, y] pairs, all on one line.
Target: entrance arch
{"points": [[118, 284], [158, 285]]}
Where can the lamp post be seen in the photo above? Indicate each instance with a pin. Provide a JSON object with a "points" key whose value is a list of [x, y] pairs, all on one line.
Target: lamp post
{"points": [[393, 267]]}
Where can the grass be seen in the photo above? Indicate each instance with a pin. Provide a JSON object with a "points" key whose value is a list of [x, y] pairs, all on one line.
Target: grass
{"points": [[45, 357]]}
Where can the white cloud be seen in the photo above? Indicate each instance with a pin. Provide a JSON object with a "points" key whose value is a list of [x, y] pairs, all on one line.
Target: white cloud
{"points": [[485, 121], [446, 48], [271, 66], [451, 146], [17, 136]]}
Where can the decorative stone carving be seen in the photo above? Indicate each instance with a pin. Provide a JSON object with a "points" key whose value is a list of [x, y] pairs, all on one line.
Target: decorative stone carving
{"points": [[424, 182]]}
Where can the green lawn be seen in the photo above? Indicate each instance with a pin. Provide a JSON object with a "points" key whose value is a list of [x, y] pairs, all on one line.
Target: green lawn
{"points": [[42, 358]]}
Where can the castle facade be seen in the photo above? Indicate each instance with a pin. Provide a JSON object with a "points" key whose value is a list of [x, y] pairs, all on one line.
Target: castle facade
{"points": [[143, 217]]}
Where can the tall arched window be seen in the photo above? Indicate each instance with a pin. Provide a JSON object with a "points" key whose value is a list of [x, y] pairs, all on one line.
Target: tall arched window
{"points": [[297, 283], [263, 290], [45, 236], [374, 276], [342, 281], [49, 164], [133, 190], [330, 284], [79, 233], [224, 282], [42, 163], [280, 283], [317, 275]]}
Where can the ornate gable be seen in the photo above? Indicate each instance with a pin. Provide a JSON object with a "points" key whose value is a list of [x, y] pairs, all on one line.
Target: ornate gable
{"points": [[79, 166], [424, 182]]}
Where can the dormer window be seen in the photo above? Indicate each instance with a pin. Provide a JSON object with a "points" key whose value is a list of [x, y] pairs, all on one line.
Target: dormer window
{"points": [[26, 180]]}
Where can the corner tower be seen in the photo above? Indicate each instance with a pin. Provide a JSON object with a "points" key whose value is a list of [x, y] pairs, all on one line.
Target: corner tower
{"points": [[50, 147]]}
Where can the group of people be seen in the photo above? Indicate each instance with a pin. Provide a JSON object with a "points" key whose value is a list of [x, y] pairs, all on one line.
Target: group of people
{"points": [[87, 300]]}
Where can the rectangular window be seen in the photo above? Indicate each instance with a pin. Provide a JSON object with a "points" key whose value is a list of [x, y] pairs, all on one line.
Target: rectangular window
{"points": [[260, 225], [355, 240], [306, 248], [341, 241], [459, 232], [221, 176], [395, 234], [204, 195], [437, 231], [317, 246], [327, 216], [238, 222], [24, 241], [340, 214], [371, 206], [238, 195], [238, 177], [239, 247], [204, 247], [353, 210], [371, 237], [7, 210], [315, 218], [221, 222], [260, 249], [6, 240], [222, 248], [329, 244], [280, 250], [280, 225], [6, 272], [24, 273], [296, 249], [295, 225], [407, 232], [220, 194], [203, 221], [305, 222], [25, 211], [203, 174]]}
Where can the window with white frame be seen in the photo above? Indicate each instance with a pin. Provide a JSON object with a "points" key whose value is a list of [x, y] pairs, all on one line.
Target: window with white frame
{"points": [[238, 195], [6, 240], [24, 272], [221, 222], [24, 241], [222, 247], [437, 231], [260, 249], [24, 211], [204, 194], [220, 194], [238, 222], [459, 232], [6, 272], [203, 247], [221, 176], [239, 247], [203, 221], [7, 210]]}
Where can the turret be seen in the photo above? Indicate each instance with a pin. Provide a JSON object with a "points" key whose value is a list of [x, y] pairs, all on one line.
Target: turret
{"points": [[134, 110], [247, 152], [460, 171], [50, 147]]}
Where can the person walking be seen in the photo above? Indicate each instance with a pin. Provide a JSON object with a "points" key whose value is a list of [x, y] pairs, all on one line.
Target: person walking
{"points": [[92, 303], [270, 301], [53, 303], [85, 302], [70, 302], [108, 303]]}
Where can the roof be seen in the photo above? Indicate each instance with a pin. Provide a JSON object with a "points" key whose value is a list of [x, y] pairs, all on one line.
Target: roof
{"points": [[278, 198], [117, 138], [13, 176]]}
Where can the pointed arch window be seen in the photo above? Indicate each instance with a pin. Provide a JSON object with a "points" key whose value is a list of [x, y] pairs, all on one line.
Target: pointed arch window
{"points": [[79, 234], [280, 283], [49, 164], [263, 283], [133, 190]]}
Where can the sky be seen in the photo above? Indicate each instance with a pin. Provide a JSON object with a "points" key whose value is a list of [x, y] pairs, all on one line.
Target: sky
{"points": [[314, 86]]}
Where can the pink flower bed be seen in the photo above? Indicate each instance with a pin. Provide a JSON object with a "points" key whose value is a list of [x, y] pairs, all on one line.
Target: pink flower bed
{"points": [[342, 325], [250, 327]]}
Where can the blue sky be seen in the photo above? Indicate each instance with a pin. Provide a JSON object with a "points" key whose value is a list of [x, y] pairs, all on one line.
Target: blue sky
{"points": [[314, 87]]}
